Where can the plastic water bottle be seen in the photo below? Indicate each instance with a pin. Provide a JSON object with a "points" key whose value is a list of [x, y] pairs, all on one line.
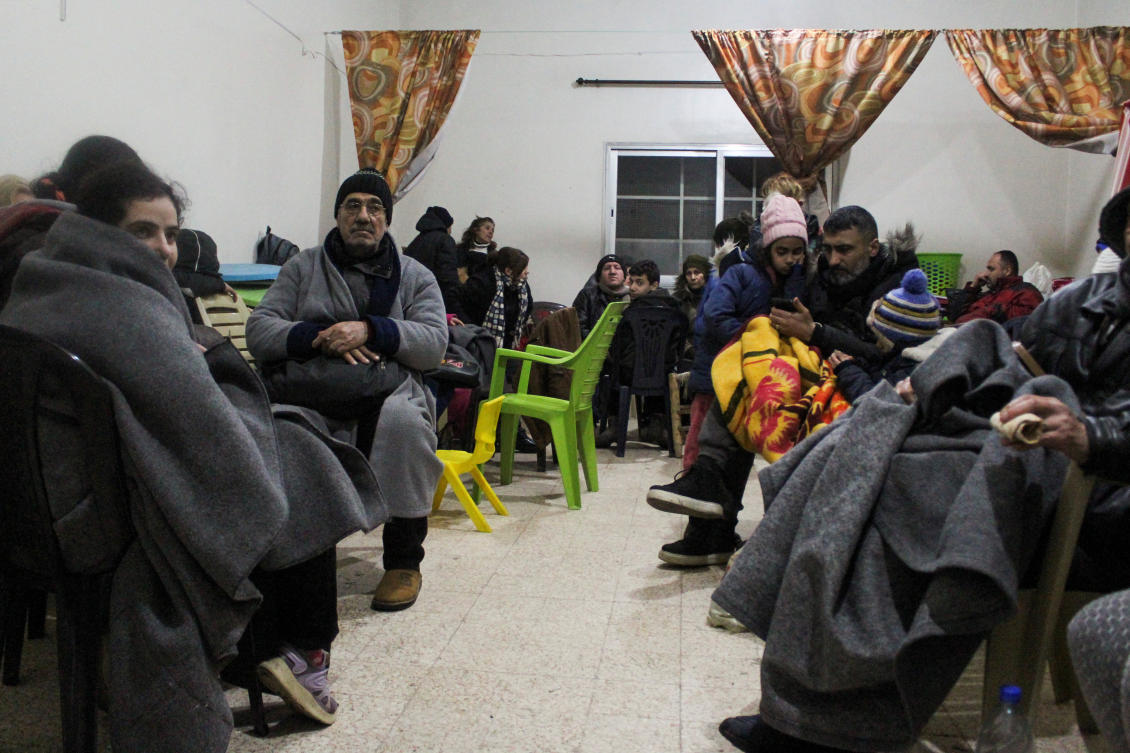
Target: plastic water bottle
{"points": [[1008, 731]]}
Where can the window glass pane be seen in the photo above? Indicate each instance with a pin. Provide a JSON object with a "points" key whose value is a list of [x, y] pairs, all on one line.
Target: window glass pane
{"points": [[663, 253], [647, 218], [698, 176], [734, 208], [703, 247], [739, 177], [698, 219], [647, 176], [763, 167]]}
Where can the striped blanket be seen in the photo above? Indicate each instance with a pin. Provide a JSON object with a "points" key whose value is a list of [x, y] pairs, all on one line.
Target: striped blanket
{"points": [[773, 392]]}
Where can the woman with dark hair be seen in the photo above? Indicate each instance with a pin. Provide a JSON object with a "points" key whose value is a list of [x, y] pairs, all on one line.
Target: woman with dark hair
{"points": [[498, 297], [221, 531], [472, 250], [24, 225], [83, 158], [129, 196]]}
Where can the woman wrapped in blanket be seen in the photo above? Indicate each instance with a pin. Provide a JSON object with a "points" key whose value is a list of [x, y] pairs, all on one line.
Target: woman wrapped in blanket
{"points": [[236, 505]]}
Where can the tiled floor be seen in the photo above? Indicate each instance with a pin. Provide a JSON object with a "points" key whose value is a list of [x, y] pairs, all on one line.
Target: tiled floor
{"points": [[560, 631]]}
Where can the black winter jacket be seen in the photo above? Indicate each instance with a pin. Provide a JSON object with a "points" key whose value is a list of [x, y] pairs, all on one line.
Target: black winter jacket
{"points": [[477, 295], [841, 310], [1081, 334], [475, 261], [435, 249], [590, 304]]}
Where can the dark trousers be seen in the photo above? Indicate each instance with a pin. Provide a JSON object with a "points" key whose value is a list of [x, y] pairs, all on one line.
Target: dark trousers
{"points": [[1100, 563], [716, 443], [299, 605], [404, 543], [717, 446]]}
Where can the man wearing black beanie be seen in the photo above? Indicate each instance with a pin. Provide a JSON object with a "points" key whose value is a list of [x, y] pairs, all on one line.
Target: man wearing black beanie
{"points": [[347, 329], [607, 284]]}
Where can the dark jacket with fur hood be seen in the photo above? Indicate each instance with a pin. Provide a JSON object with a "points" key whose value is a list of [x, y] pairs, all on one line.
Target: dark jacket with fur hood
{"points": [[841, 310]]}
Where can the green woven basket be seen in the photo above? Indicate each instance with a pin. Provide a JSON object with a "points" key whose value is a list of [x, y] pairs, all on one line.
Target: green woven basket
{"points": [[941, 271]]}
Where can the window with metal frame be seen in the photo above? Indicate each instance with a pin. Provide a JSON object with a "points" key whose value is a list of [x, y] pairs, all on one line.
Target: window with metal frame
{"points": [[664, 200]]}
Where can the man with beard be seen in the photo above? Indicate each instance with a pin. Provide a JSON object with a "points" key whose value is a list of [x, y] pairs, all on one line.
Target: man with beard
{"points": [[347, 329], [998, 293], [854, 271]]}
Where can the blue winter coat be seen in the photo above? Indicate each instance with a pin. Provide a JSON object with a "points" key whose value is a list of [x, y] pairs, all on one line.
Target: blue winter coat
{"points": [[744, 291]]}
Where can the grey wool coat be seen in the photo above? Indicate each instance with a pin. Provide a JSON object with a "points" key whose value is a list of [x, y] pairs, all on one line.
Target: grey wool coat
{"points": [[892, 542], [310, 288], [215, 493]]}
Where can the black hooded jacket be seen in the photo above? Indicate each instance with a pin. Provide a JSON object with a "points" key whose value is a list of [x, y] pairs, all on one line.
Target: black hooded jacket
{"points": [[435, 249]]}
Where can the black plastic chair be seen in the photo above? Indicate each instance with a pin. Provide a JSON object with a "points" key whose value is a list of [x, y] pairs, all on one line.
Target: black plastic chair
{"points": [[46, 389], [657, 337], [48, 393]]}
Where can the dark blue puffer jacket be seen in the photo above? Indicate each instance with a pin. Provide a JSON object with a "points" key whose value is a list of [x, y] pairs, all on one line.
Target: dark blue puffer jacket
{"points": [[744, 291]]}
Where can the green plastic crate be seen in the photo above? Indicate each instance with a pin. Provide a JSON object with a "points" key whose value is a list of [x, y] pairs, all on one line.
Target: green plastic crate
{"points": [[941, 271]]}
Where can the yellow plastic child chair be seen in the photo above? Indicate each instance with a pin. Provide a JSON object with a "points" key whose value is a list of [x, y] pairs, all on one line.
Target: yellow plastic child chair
{"points": [[458, 462]]}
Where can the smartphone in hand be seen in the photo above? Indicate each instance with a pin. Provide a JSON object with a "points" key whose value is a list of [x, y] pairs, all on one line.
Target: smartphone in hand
{"points": [[786, 304]]}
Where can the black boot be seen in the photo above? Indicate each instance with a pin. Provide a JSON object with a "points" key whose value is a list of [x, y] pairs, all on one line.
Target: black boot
{"points": [[699, 491], [704, 542]]}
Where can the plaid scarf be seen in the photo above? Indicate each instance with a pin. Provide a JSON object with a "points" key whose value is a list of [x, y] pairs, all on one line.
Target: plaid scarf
{"points": [[495, 320]]}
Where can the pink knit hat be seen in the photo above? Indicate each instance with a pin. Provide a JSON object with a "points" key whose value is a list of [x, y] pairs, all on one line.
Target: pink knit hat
{"points": [[782, 218]]}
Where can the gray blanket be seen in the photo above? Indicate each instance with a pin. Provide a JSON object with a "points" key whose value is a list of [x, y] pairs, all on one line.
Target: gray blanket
{"points": [[223, 482], [892, 542]]}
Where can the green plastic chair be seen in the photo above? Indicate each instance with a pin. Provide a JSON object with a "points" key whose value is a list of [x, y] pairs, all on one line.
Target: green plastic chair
{"points": [[570, 420]]}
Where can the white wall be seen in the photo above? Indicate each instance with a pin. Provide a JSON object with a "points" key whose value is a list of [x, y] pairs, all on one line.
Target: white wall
{"points": [[526, 146], [217, 96], [210, 92]]}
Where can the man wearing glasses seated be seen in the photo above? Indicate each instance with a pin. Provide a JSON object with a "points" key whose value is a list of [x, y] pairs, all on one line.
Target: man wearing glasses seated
{"points": [[348, 328]]}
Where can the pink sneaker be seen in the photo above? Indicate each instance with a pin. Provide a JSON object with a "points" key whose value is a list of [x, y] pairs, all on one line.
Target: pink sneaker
{"points": [[301, 678]]}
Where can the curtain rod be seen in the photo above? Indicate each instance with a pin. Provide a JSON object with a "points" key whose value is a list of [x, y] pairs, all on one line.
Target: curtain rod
{"points": [[645, 82]]}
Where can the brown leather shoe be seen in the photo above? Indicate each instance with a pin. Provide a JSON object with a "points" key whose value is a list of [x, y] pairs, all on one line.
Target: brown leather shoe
{"points": [[397, 590]]}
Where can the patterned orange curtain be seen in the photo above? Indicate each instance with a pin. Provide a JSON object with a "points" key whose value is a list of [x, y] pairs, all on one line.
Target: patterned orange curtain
{"points": [[1062, 87], [810, 94], [401, 87]]}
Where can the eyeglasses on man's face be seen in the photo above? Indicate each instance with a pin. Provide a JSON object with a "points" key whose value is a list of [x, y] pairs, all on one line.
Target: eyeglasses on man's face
{"points": [[353, 206]]}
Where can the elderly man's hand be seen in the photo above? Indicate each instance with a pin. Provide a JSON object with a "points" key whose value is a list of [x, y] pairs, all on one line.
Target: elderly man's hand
{"points": [[360, 355], [798, 324], [838, 357], [1063, 430], [342, 338]]}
